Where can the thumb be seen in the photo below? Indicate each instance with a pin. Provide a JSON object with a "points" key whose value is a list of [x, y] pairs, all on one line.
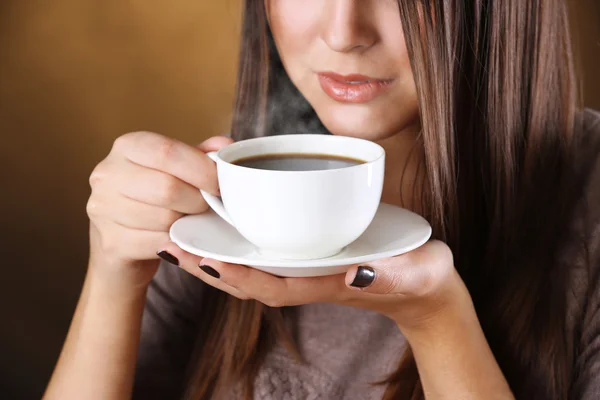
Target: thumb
{"points": [[384, 277], [214, 143], [415, 273]]}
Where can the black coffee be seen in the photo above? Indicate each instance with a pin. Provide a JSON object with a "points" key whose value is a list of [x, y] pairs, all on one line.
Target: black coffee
{"points": [[297, 162]]}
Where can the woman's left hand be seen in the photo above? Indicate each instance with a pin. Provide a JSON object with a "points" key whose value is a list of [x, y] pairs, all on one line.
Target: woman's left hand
{"points": [[411, 289]]}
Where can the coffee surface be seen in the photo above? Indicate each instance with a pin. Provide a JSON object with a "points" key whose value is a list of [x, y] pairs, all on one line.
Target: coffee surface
{"points": [[297, 162]]}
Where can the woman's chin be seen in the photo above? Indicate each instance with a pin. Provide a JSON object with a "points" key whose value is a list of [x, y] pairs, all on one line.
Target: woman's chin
{"points": [[364, 128]]}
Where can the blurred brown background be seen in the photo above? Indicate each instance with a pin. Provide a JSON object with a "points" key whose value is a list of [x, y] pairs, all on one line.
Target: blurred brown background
{"points": [[74, 75]]}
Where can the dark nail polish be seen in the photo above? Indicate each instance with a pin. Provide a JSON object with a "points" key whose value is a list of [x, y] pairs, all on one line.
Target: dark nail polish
{"points": [[364, 277], [210, 271], [168, 257]]}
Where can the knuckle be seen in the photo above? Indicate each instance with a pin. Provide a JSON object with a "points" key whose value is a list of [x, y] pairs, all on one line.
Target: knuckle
{"points": [[92, 208], [124, 141], [98, 175], [130, 140]]}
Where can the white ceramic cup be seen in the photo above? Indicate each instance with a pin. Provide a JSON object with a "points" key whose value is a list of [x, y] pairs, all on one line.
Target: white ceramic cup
{"points": [[299, 215]]}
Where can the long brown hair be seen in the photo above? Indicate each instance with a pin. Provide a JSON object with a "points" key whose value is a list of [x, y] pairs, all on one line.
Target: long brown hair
{"points": [[497, 99]]}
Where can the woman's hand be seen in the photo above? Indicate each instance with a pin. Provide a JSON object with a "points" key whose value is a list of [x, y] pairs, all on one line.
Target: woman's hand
{"points": [[412, 289], [420, 290], [146, 183]]}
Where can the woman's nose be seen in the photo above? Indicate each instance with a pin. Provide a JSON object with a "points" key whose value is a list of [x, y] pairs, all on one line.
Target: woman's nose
{"points": [[347, 25]]}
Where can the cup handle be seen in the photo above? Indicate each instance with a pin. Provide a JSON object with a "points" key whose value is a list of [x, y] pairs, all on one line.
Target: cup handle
{"points": [[213, 201]]}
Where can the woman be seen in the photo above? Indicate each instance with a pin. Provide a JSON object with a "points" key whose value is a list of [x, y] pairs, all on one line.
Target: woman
{"points": [[475, 104]]}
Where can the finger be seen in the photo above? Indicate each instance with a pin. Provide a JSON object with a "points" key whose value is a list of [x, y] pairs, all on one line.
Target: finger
{"points": [[416, 273], [214, 143], [171, 156], [192, 264], [158, 188], [129, 244], [133, 214], [279, 292]]}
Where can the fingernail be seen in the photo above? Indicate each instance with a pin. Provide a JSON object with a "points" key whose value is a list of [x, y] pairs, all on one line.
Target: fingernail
{"points": [[364, 277], [210, 271], [168, 257]]}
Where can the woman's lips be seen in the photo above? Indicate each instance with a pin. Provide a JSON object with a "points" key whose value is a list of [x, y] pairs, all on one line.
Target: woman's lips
{"points": [[353, 88]]}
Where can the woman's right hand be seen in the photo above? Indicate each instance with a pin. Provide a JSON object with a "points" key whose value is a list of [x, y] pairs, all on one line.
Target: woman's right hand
{"points": [[145, 183]]}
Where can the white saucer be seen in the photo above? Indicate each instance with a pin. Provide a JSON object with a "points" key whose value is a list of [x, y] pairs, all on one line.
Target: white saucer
{"points": [[393, 231]]}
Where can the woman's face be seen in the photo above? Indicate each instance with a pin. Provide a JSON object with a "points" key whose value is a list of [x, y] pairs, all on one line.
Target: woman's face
{"points": [[349, 59]]}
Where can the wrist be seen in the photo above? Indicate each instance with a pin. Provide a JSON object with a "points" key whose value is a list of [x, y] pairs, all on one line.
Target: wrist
{"points": [[117, 283], [452, 354], [121, 274], [450, 308]]}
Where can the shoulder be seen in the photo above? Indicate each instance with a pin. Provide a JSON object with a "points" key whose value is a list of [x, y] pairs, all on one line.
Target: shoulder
{"points": [[591, 120], [587, 141], [580, 248], [581, 183], [585, 228], [586, 164], [584, 261], [591, 199], [587, 159]]}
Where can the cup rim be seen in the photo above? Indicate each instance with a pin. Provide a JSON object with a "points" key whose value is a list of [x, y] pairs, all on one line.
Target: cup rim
{"points": [[232, 147]]}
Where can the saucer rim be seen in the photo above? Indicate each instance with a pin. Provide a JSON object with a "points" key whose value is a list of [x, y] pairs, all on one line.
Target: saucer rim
{"points": [[333, 261]]}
